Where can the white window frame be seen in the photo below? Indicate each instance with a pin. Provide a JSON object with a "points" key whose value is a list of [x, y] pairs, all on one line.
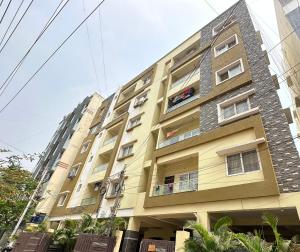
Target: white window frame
{"points": [[122, 150], [138, 102], [91, 158], [79, 187], [228, 22], [234, 100], [113, 183], [94, 129], [147, 80], [74, 166], [133, 119], [226, 68], [64, 201], [225, 42], [243, 169], [85, 149]]}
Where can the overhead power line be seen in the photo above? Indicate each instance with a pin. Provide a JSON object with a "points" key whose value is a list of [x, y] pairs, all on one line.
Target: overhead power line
{"points": [[11, 22], [10, 77], [102, 48], [52, 54], [17, 25], [90, 46], [5, 11]]}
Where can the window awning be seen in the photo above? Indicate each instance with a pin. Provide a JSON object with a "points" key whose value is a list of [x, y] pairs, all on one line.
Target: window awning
{"points": [[240, 147]]}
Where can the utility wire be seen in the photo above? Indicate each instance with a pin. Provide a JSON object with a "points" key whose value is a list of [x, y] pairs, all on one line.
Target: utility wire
{"points": [[102, 48], [90, 46], [19, 64], [11, 22], [17, 25], [52, 54], [5, 11]]}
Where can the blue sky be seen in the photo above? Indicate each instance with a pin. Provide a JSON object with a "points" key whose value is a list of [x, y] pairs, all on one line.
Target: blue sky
{"points": [[135, 34]]}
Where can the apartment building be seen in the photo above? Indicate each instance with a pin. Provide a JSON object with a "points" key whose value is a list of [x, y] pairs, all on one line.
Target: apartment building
{"points": [[61, 151], [288, 20], [198, 135]]}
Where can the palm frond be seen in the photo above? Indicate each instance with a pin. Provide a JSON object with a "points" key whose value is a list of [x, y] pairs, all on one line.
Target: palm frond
{"points": [[222, 223]]}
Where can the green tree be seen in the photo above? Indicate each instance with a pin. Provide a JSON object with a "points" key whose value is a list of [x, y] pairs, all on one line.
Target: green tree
{"points": [[16, 186]]}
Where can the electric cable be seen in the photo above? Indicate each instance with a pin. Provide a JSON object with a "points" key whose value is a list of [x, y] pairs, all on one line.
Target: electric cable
{"points": [[56, 12], [51, 56]]}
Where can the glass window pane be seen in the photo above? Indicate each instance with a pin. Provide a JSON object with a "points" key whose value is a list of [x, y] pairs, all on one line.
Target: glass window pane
{"points": [[221, 49], [242, 106], [235, 70], [231, 43], [193, 175], [228, 111], [223, 76], [184, 177], [250, 161], [234, 164]]}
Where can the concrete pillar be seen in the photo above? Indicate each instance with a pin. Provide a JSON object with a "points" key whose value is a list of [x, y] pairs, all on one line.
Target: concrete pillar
{"points": [[203, 218], [181, 237], [118, 235], [131, 235]]}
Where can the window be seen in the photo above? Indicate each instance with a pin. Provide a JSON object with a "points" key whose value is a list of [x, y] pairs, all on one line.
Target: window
{"points": [[114, 188], [140, 100], [229, 71], [85, 147], [242, 162], [133, 122], [91, 158], [223, 25], [79, 187], [188, 181], [73, 171], [147, 80], [126, 150], [94, 129], [62, 199], [226, 45], [235, 108]]}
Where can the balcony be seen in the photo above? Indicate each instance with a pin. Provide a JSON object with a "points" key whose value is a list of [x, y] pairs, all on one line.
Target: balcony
{"points": [[100, 168], [108, 145], [183, 98], [75, 126], [126, 94], [179, 138], [88, 201], [66, 143], [110, 140], [186, 78], [182, 186], [186, 55]]}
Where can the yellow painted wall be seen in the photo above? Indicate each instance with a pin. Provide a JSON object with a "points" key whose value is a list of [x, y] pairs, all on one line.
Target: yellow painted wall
{"points": [[211, 166], [60, 174]]}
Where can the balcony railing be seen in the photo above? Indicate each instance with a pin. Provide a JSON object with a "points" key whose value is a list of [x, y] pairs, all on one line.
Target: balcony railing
{"points": [[66, 143], [182, 186], [110, 140], [179, 138], [75, 126], [185, 78], [184, 102], [100, 168], [88, 201]]}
